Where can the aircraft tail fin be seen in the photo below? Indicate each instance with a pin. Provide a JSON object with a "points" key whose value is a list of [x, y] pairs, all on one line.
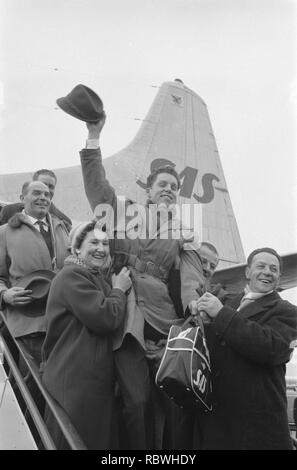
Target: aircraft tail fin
{"points": [[176, 131]]}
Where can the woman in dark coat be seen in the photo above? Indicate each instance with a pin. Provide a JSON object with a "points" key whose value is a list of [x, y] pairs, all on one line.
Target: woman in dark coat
{"points": [[82, 313]]}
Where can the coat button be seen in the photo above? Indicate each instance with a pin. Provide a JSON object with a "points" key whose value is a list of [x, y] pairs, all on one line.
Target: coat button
{"points": [[223, 343]]}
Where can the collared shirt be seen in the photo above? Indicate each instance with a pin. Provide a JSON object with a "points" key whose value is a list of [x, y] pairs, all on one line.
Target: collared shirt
{"points": [[34, 221]]}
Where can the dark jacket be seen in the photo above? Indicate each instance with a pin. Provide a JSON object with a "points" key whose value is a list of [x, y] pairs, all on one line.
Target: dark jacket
{"points": [[11, 209], [82, 313], [249, 350]]}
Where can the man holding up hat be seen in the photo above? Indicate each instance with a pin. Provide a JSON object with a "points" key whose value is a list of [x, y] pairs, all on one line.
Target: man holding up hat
{"points": [[149, 256], [33, 240]]}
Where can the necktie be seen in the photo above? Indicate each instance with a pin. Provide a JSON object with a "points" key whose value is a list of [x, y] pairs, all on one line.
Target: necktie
{"points": [[47, 238]]}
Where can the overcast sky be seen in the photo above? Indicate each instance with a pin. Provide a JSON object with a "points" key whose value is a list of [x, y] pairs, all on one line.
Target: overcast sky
{"points": [[238, 55]]}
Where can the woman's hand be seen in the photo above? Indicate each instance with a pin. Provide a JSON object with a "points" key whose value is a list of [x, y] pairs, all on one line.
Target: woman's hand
{"points": [[122, 280]]}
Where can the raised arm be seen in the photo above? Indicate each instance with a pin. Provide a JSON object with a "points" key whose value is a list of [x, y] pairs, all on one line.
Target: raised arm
{"points": [[97, 187]]}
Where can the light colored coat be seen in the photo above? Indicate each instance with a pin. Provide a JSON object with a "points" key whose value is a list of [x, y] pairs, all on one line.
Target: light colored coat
{"points": [[23, 250]]}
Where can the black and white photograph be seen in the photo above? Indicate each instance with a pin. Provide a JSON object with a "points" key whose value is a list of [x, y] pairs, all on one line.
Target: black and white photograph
{"points": [[148, 231]]}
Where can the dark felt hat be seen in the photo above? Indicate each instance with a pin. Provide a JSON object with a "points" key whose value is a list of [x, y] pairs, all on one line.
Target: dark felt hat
{"points": [[39, 283], [82, 103]]}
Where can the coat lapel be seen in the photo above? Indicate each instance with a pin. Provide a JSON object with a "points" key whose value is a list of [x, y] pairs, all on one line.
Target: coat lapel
{"points": [[255, 307], [233, 300], [260, 305]]}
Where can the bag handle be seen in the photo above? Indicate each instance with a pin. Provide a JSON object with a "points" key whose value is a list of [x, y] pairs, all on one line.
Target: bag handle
{"points": [[200, 291]]}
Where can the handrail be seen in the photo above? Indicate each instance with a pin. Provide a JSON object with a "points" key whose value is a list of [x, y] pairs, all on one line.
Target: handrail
{"points": [[38, 421], [68, 430]]}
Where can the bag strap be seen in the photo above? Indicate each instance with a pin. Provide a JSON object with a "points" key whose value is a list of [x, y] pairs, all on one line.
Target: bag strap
{"points": [[187, 321], [198, 319], [200, 323]]}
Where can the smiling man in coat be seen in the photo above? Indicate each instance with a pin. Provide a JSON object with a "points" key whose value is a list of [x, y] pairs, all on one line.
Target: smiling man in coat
{"points": [[250, 340], [32, 240]]}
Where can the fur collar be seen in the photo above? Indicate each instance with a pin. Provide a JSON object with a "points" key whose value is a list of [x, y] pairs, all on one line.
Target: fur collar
{"points": [[17, 220]]}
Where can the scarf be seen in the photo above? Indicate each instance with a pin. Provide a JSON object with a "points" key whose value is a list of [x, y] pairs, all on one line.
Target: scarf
{"points": [[102, 272], [250, 296]]}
